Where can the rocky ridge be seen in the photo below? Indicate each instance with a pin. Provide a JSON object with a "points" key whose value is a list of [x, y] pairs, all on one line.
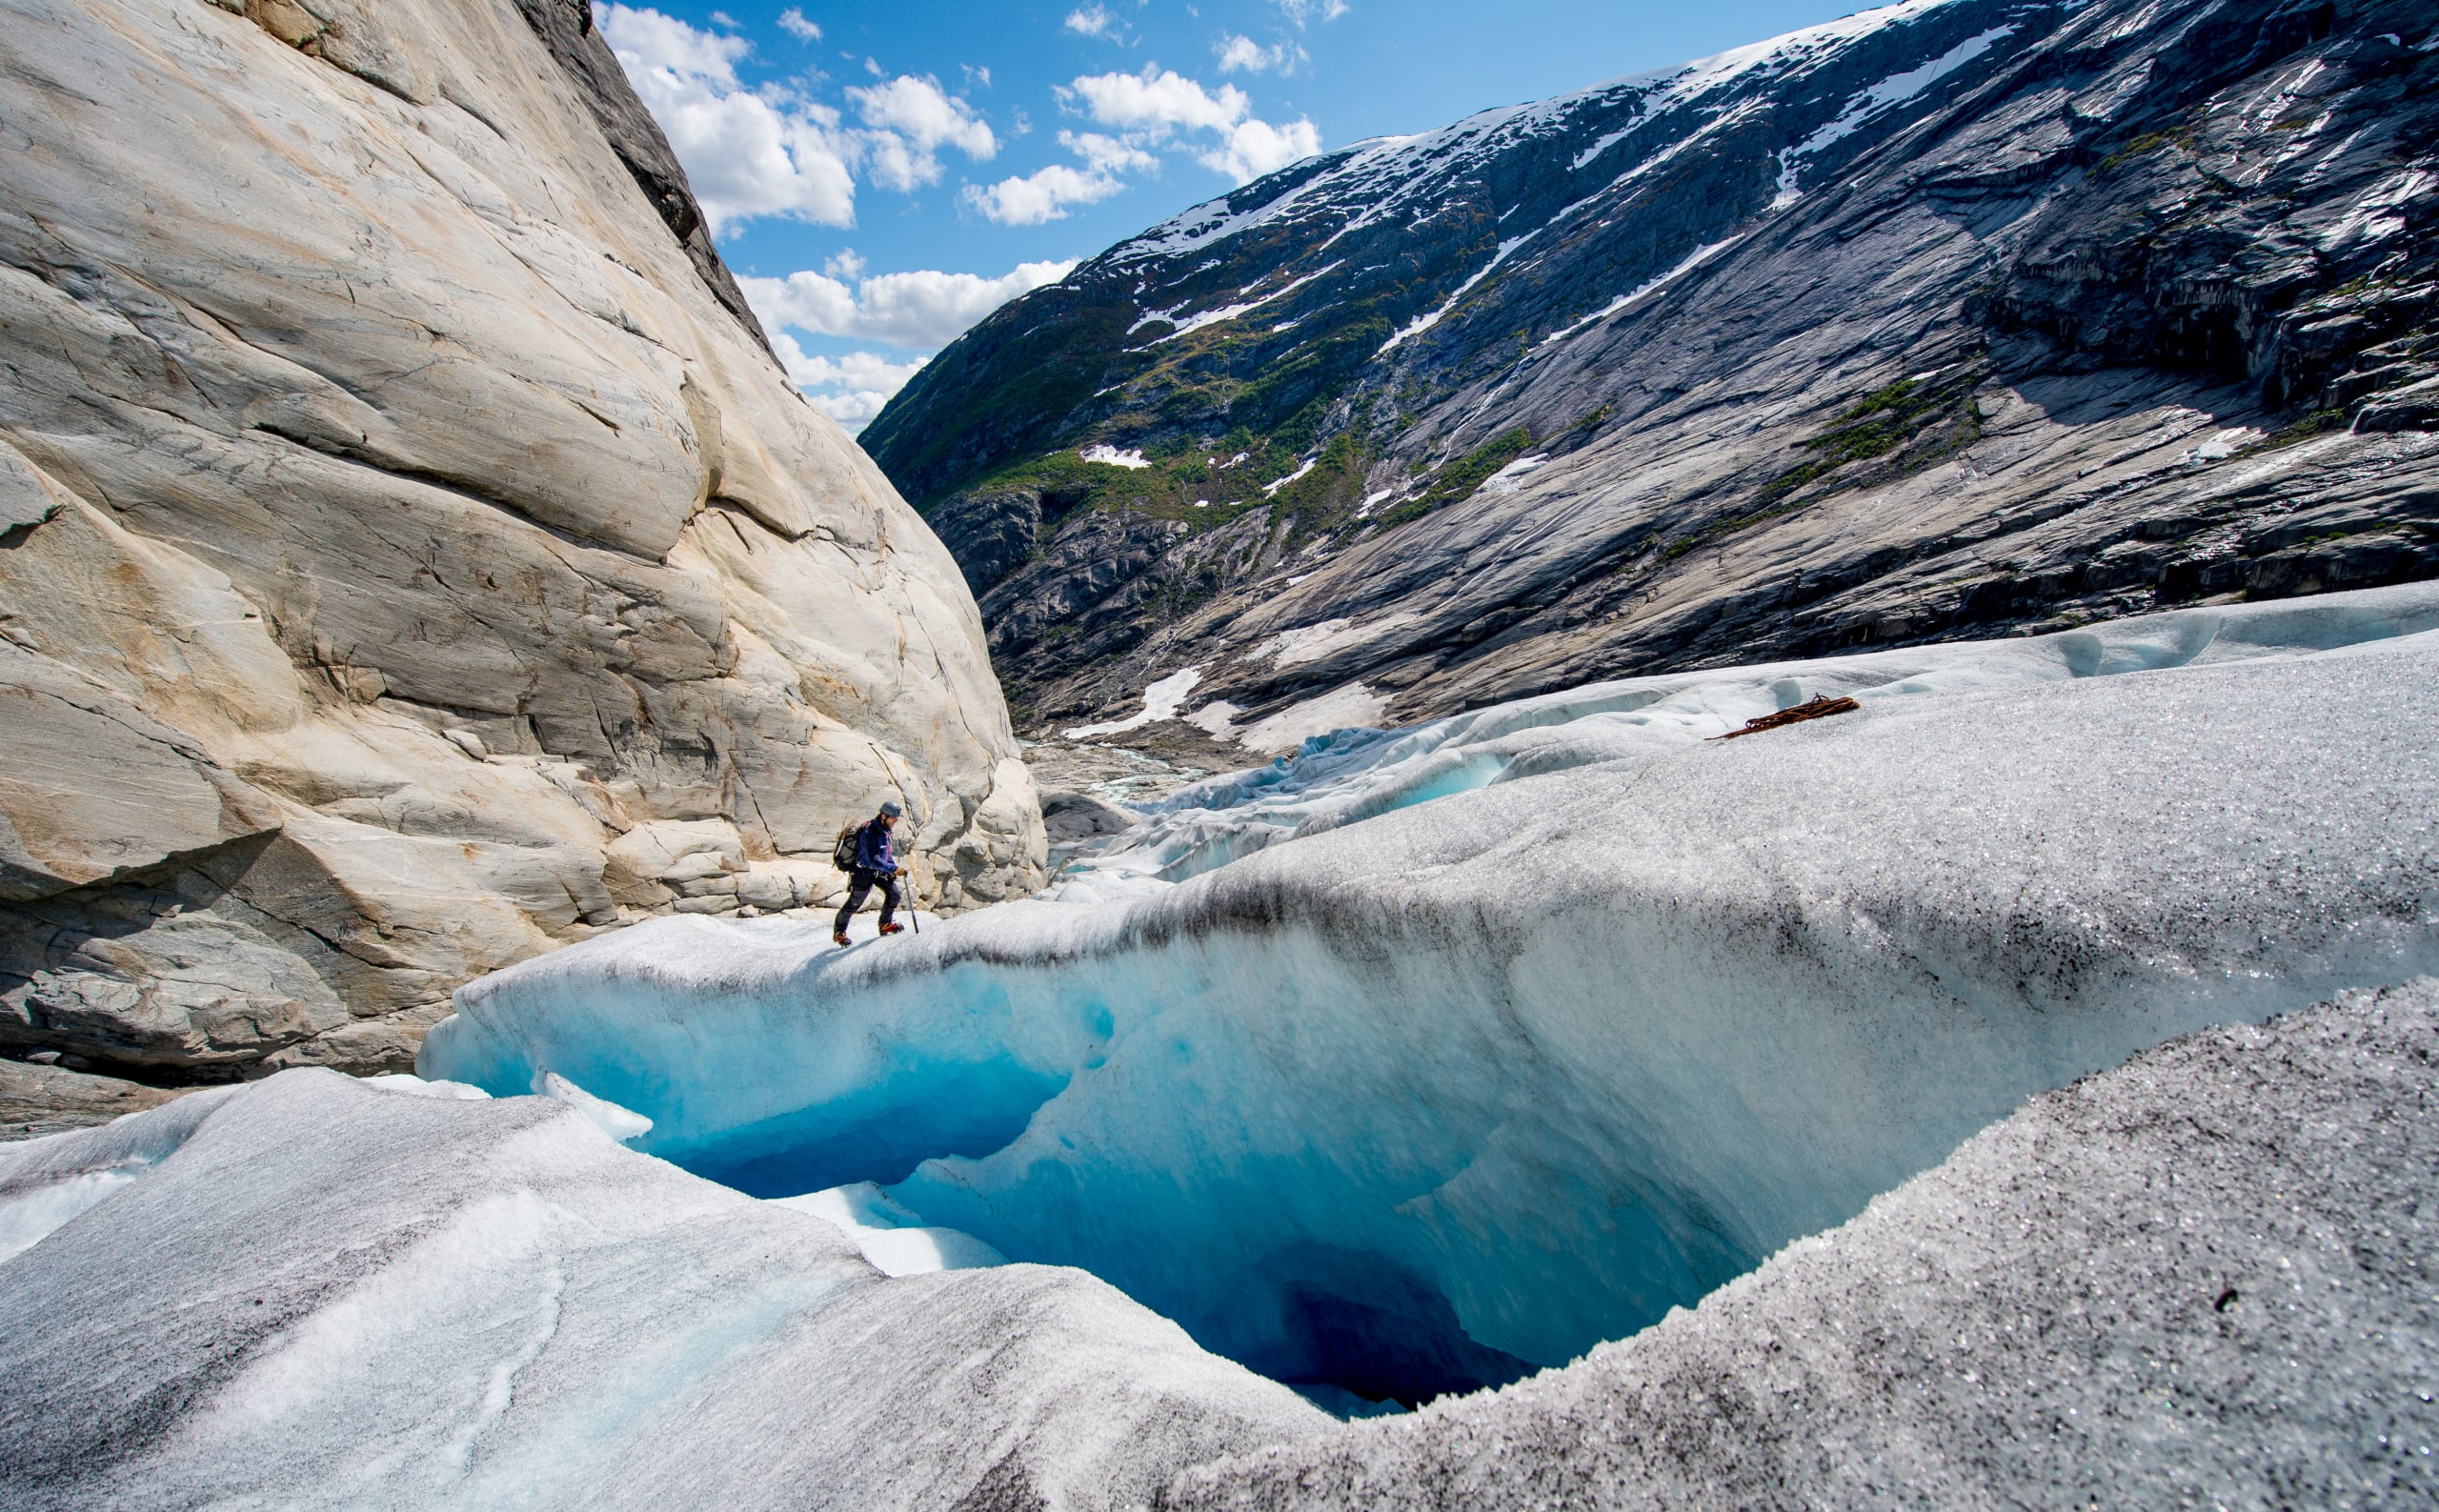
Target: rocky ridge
{"points": [[1945, 319], [413, 558]]}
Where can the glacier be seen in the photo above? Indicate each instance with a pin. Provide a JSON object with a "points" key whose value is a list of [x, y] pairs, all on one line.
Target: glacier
{"points": [[1474, 1045], [2201, 1279], [1350, 775], [316, 1292]]}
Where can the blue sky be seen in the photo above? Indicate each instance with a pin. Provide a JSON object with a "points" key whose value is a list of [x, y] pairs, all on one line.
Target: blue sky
{"points": [[882, 175]]}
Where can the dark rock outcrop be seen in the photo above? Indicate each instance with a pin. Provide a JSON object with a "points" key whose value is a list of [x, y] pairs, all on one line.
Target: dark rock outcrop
{"points": [[991, 533], [566, 28]]}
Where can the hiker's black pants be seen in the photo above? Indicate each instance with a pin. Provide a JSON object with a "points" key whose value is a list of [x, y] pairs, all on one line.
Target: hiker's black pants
{"points": [[859, 886]]}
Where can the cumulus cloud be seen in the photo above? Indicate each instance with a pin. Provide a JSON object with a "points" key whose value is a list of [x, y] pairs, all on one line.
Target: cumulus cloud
{"points": [[912, 118], [851, 390], [1150, 107], [1044, 194], [1158, 99], [791, 21], [1155, 109], [916, 310], [923, 310], [1096, 21], [1302, 12], [771, 151], [1251, 149], [664, 42], [1242, 54], [746, 154]]}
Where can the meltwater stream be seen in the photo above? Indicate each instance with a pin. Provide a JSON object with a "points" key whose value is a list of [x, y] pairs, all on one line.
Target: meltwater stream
{"points": [[1423, 1101]]}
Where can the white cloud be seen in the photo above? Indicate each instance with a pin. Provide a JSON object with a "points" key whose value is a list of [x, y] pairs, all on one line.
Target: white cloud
{"points": [[1108, 154], [1150, 107], [1242, 54], [1158, 99], [1255, 148], [791, 21], [1044, 194], [771, 151], [1299, 13], [923, 310], [660, 42], [851, 390], [1039, 196], [913, 119], [746, 154], [1095, 21]]}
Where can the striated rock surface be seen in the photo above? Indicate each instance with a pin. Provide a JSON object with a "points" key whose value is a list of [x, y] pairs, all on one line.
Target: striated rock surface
{"points": [[38, 1098], [411, 559], [1941, 320]]}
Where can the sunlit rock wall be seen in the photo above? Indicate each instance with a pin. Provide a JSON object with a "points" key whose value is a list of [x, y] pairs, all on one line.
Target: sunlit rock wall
{"points": [[413, 557]]}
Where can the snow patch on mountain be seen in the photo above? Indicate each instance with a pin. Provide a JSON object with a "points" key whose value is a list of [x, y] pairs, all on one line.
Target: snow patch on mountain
{"points": [[1424, 322], [1161, 700], [1648, 287], [1896, 88]]}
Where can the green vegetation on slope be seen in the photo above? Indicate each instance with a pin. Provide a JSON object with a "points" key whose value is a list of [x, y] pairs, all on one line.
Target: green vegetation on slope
{"points": [[1458, 479]]}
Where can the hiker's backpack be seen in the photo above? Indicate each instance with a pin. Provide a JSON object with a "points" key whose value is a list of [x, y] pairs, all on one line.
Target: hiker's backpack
{"points": [[842, 855]]}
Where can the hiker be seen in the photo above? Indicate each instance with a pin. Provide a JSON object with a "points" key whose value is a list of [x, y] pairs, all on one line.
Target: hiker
{"points": [[876, 866]]}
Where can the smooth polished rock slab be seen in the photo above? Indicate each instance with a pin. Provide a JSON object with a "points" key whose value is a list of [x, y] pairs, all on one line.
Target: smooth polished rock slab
{"points": [[395, 519]]}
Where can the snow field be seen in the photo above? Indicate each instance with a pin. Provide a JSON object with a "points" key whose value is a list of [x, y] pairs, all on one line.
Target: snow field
{"points": [[1469, 1086]]}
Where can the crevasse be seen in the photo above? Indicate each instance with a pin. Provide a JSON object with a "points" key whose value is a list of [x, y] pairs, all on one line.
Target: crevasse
{"points": [[1426, 1100]]}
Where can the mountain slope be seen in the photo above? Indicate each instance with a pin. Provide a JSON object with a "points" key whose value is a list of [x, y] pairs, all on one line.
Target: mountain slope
{"points": [[1942, 319]]}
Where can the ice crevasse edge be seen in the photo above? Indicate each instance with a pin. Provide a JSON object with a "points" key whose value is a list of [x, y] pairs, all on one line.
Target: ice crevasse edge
{"points": [[1423, 1102]]}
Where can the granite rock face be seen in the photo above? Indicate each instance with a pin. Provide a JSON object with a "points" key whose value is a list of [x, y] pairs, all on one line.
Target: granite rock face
{"points": [[1937, 321], [39, 1099], [411, 559]]}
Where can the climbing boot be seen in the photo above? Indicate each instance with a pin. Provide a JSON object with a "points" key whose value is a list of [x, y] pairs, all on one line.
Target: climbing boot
{"points": [[839, 936], [892, 928]]}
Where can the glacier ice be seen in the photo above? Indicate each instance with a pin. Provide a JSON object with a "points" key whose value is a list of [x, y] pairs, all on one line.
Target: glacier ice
{"points": [[45, 1183], [310, 1293], [608, 1117], [892, 1236], [1349, 775], [2201, 1279], [1439, 1092]]}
